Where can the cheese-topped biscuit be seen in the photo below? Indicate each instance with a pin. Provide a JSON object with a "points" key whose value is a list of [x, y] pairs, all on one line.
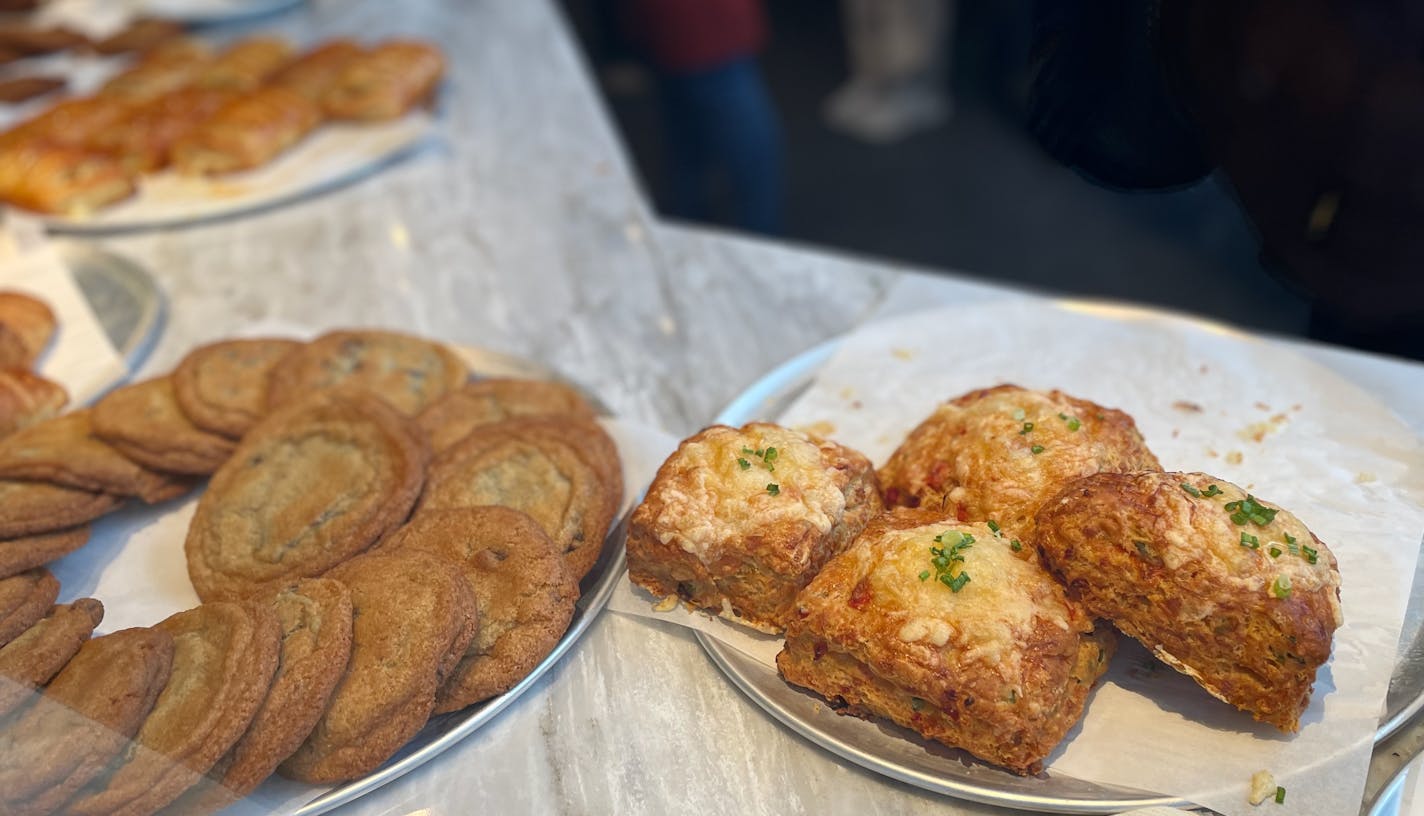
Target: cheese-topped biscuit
{"points": [[739, 520], [1226, 588], [939, 626], [998, 453]]}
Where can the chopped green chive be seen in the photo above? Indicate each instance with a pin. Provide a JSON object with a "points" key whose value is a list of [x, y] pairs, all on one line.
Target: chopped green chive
{"points": [[1015, 545], [1073, 423], [1191, 491], [916, 703], [774, 489], [1036, 450], [1212, 490], [1281, 587], [944, 557], [1027, 426], [1311, 554], [994, 527], [1280, 795], [744, 463], [924, 576], [1274, 551], [769, 458], [1249, 509], [1248, 540]]}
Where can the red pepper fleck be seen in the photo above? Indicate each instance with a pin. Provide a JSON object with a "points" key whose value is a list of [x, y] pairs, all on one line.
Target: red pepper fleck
{"points": [[860, 595], [892, 496], [960, 513], [939, 474], [819, 650]]}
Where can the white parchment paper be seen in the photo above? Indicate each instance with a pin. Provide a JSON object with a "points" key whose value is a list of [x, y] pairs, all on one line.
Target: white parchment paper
{"points": [[80, 357], [1288, 430], [134, 563]]}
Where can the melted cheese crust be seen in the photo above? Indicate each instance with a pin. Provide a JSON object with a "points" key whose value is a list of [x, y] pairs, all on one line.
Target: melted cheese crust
{"points": [[1000, 452], [708, 503], [1010, 616]]}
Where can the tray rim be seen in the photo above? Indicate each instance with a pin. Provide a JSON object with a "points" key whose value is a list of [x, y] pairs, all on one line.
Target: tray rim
{"points": [[786, 381], [595, 590]]}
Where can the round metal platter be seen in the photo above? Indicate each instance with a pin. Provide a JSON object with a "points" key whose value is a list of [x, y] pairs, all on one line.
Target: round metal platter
{"points": [[903, 755], [125, 299]]}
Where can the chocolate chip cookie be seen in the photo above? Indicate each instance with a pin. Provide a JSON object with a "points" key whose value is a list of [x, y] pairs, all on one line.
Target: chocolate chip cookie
{"points": [[408, 372], [222, 387]]}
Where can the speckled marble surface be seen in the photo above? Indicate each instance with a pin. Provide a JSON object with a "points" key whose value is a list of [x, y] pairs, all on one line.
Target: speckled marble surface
{"points": [[520, 228]]}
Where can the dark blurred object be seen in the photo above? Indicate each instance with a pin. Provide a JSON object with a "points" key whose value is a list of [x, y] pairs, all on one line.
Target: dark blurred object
{"points": [[12, 6], [720, 123], [1314, 109], [140, 35], [27, 39], [21, 89]]}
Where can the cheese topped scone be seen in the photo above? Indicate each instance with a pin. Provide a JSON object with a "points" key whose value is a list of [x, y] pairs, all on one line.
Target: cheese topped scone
{"points": [[940, 627], [1221, 585], [737, 521], [998, 453]]}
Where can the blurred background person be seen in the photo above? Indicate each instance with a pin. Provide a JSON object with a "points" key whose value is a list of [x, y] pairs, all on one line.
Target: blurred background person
{"points": [[722, 133], [899, 60]]}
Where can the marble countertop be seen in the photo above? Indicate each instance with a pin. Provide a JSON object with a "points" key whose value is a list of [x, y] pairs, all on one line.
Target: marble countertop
{"points": [[522, 228]]}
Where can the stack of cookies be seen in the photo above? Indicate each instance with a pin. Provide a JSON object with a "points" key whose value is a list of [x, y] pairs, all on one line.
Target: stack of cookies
{"points": [[972, 588], [26, 327], [381, 540]]}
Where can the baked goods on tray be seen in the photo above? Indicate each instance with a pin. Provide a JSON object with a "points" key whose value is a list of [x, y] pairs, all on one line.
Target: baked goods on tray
{"points": [[310, 486], [247, 132], [386, 82], [452, 417], [181, 105], [85, 720], [37, 654], [407, 372], [1222, 586], [415, 617], [27, 398], [223, 659], [562, 471], [940, 627], [330, 675], [738, 521], [524, 593], [998, 453]]}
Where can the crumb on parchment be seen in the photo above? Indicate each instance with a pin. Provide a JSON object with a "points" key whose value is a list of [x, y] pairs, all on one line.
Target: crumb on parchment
{"points": [[821, 427], [1234, 458], [667, 604], [903, 353], [1263, 787], [1365, 477], [1187, 406]]}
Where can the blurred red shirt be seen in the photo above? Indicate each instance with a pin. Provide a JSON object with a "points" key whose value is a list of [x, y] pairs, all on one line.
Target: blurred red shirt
{"points": [[686, 36]]}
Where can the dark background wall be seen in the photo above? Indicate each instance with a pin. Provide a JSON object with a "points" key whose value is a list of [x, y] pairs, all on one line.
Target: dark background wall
{"points": [[976, 195]]}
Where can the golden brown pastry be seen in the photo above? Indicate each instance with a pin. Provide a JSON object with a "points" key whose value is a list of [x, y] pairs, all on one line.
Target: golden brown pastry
{"points": [[1222, 586], [70, 123], [59, 180], [246, 64], [246, 133], [940, 627], [739, 520], [142, 140], [27, 398], [998, 453], [387, 82], [316, 71], [167, 67]]}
